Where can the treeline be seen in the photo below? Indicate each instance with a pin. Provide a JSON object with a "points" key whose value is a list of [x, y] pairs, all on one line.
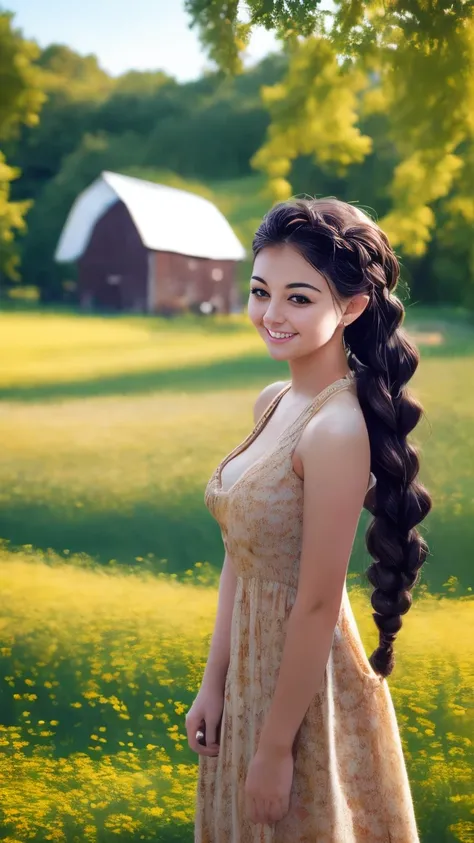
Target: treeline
{"points": [[205, 132]]}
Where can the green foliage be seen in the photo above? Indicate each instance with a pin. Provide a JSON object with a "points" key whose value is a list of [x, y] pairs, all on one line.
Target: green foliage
{"points": [[455, 259], [74, 76], [20, 94], [221, 31], [171, 179], [20, 101], [12, 217], [414, 60], [203, 130], [80, 168], [226, 36], [300, 120], [330, 122], [193, 128]]}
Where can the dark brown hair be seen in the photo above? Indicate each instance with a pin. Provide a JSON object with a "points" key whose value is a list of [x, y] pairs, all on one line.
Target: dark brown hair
{"points": [[355, 256]]}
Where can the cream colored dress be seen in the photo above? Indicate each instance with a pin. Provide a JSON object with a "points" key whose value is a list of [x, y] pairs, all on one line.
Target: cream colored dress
{"points": [[350, 783]]}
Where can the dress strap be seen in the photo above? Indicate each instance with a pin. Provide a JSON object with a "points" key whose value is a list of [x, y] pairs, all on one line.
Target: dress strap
{"points": [[313, 406], [347, 382], [253, 433], [270, 408], [287, 434]]}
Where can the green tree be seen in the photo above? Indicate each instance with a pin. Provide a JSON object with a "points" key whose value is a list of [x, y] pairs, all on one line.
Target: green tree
{"points": [[80, 77], [46, 219], [205, 129], [453, 253], [75, 87], [12, 218], [20, 102], [408, 59]]}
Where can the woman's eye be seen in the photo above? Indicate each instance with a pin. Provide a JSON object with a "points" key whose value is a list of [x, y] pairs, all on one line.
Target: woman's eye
{"points": [[255, 290]]}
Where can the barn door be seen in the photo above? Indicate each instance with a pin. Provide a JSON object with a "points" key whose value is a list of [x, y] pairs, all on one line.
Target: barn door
{"points": [[112, 291]]}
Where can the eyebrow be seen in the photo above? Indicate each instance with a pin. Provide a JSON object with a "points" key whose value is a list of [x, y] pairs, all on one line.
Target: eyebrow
{"points": [[288, 286]]}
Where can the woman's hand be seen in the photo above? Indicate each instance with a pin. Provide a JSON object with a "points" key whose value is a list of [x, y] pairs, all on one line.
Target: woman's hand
{"points": [[268, 786], [205, 714]]}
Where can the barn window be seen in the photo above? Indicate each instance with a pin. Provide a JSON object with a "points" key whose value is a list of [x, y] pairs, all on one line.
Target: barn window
{"points": [[114, 279], [217, 275]]}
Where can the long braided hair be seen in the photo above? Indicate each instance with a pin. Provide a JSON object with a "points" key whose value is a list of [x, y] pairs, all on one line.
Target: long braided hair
{"points": [[355, 257]]}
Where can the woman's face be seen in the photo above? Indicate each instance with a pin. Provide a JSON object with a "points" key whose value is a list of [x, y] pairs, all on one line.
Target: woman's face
{"points": [[288, 296]]}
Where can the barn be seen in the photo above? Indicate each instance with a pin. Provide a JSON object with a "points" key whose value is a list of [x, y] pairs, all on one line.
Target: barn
{"points": [[149, 248]]}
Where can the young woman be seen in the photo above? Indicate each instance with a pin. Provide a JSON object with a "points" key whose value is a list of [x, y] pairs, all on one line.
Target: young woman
{"points": [[295, 728]]}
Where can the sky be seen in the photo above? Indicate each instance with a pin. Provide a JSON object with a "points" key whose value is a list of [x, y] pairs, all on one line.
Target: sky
{"points": [[125, 34]]}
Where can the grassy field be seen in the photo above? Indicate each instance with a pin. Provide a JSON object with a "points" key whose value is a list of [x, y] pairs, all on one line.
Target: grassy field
{"points": [[113, 426], [109, 563], [100, 667]]}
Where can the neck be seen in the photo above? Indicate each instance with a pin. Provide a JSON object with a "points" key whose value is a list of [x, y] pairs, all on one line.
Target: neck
{"points": [[313, 373]]}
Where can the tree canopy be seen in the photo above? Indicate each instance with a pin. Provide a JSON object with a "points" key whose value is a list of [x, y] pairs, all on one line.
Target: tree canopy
{"points": [[410, 59], [20, 101], [314, 118]]}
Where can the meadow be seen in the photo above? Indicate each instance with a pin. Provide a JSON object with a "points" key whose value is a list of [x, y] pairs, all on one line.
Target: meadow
{"points": [[109, 564]]}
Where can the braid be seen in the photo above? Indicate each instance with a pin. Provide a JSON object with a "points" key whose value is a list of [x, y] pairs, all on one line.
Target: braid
{"points": [[384, 360], [354, 254]]}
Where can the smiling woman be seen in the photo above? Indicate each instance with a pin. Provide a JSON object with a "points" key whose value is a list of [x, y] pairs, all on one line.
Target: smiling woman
{"points": [[282, 316], [309, 746], [278, 335]]}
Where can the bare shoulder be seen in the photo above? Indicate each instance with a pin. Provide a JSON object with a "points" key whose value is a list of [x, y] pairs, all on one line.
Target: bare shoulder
{"points": [[265, 397], [338, 431]]}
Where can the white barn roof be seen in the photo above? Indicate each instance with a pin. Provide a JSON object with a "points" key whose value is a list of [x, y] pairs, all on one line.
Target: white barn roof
{"points": [[166, 219]]}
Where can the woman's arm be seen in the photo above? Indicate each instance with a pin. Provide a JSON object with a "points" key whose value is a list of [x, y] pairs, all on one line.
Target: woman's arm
{"points": [[335, 453], [219, 653]]}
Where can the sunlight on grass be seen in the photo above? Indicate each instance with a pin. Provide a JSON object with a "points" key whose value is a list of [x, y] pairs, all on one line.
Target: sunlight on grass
{"points": [[123, 473], [109, 568], [55, 348], [101, 667]]}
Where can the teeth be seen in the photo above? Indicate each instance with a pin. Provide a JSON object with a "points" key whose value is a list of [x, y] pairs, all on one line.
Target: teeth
{"points": [[278, 336]]}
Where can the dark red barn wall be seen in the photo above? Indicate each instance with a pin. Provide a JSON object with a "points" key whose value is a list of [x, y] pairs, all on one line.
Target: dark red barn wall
{"points": [[181, 281], [113, 270]]}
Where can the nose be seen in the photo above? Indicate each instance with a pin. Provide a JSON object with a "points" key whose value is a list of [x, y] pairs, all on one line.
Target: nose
{"points": [[272, 318]]}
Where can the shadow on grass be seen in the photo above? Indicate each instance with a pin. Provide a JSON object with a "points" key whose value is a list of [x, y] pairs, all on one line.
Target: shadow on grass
{"points": [[245, 371], [242, 372], [182, 534], [185, 533]]}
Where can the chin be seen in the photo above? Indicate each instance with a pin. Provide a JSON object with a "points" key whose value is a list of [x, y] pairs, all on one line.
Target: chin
{"points": [[280, 352]]}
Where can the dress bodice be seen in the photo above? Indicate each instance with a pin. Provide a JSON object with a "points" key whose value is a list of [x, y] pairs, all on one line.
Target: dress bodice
{"points": [[261, 513]]}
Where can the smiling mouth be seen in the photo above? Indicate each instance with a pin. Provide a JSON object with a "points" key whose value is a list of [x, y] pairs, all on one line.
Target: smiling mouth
{"points": [[284, 336]]}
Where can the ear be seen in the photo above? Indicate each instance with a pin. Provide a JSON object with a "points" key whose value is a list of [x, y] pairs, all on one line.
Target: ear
{"points": [[355, 308]]}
